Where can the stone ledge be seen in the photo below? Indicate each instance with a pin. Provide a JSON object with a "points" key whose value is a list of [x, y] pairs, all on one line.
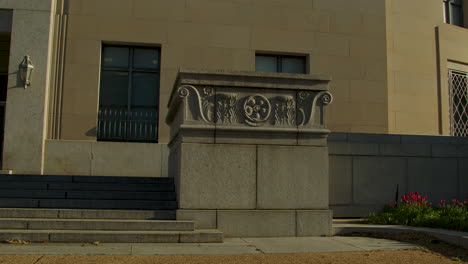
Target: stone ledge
{"points": [[396, 139], [355, 210], [374, 138], [253, 79], [262, 223]]}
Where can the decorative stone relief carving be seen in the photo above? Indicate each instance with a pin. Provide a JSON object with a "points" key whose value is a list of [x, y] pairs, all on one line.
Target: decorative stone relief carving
{"points": [[254, 110], [257, 110], [226, 110], [285, 111], [204, 102], [326, 98], [306, 102]]}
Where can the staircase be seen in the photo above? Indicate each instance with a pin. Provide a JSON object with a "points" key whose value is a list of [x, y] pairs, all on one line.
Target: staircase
{"points": [[90, 208]]}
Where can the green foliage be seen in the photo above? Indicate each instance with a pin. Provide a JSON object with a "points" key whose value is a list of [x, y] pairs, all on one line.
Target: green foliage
{"points": [[414, 210]]}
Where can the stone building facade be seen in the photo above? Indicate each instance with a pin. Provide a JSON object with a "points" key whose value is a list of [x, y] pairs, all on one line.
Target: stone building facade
{"points": [[104, 70]]}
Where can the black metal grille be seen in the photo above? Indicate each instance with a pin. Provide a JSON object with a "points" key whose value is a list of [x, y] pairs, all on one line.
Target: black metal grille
{"points": [[458, 89], [121, 124]]}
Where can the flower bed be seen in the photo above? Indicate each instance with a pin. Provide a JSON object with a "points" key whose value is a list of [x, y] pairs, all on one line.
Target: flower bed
{"points": [[414, 210]]}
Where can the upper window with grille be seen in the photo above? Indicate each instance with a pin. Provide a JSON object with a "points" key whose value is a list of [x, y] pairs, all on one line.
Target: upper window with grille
{"points": [[453, 11], [458, 89], [129, 93]]}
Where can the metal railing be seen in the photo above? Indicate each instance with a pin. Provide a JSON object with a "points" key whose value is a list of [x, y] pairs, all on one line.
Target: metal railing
{"points": [[458, 91], [121, 124]]}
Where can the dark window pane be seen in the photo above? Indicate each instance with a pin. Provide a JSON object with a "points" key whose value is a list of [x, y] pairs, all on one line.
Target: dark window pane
{"points": [[3, 87], [146, 59], [266, 64], [129, 103], [114, 89], [145, 89], [293, 65], [456, 16], [5, 21], [115, 57]]}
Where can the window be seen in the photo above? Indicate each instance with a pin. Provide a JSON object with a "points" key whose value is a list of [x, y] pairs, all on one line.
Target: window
{"points": [[458, 89], [453, 11], [280, 63], [129, 94]]}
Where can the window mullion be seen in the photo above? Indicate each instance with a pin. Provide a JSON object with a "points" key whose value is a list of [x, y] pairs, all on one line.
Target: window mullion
{"points": [[130, 79], [129, 92], [279, 65], [448, 12]]}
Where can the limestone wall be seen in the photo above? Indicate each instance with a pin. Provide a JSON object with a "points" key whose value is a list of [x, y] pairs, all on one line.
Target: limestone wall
{"points": [[91, 158], [341, 38], [419, 46], [365, 170], [453, 54]]}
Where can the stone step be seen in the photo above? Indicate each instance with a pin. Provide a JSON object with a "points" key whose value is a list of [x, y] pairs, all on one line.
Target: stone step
{"points": [[349, 221], [100, 186], [83, 236], [97, 195], [83, 179], [87, 214], [87, 204], [94, 224], [159, 196]]}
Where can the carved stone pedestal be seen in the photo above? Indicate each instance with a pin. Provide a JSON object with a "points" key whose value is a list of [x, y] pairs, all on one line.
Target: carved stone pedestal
{"points": [[249, 152]]}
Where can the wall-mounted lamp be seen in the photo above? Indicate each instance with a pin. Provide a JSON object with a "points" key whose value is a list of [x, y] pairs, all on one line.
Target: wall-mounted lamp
{"points": [[26, 69]]}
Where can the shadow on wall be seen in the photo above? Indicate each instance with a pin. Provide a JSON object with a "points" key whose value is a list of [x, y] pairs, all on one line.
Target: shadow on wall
{"points": [[92, 132], [366, 168]]}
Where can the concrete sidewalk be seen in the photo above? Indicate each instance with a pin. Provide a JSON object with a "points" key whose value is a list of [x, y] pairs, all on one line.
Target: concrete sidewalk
{"points": [[230, 246], [448, 236]]}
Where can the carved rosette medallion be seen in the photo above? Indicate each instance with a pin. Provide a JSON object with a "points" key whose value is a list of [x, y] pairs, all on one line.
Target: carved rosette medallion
{"points": [[257, 110]]}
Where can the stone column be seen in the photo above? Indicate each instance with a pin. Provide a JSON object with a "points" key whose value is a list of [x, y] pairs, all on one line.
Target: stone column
{"points": [[249, 152], [25, 121]]}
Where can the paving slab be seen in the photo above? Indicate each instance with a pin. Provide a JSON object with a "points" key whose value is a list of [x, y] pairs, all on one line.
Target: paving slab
{"points": [[146, 249], [228, 242], [67, 249], [229, 246], [300, 245], [370, 244]]}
